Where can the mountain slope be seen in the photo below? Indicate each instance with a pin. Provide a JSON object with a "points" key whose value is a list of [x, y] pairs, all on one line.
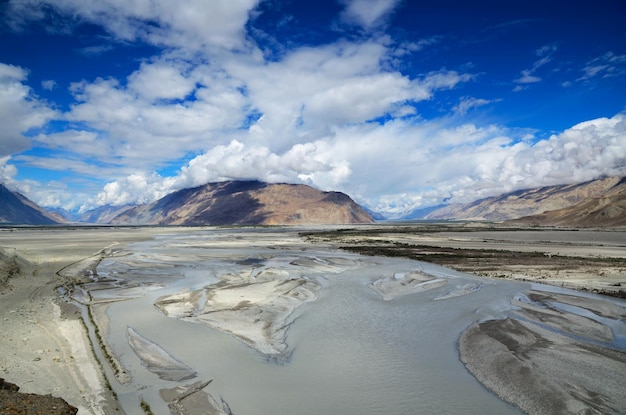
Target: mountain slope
{"points": [[608, 210], [247, 203], [17, 209], [102, 214], [527, 202]]}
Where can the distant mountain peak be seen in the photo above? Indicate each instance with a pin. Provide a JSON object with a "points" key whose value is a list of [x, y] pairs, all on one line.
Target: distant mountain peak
{"points": [[242, 202]]}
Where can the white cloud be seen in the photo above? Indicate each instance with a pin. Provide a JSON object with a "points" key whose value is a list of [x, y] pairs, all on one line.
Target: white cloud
{"points": [[161, 80], [399, 166], [468, 103], [190, 24], [20, 110], [528, 76], [368, 13], [7, 171], [136, 188], [339, 116], [165, 111], [605, 66], [49, 84]]}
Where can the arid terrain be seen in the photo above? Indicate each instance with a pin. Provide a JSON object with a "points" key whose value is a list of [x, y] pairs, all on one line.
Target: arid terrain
{"points": [[44, 347], [587, 260]]}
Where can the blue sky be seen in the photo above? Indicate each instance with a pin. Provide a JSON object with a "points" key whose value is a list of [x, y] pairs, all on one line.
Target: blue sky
{"points": [[400, 104]]}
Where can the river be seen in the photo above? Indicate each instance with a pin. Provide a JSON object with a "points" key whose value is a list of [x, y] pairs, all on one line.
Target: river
{"points": [[349, 351]]}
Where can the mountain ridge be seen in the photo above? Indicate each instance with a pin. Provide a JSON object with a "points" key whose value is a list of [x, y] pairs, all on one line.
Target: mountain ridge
{"points": [[246, 203], [528, 202], [17, 209]]}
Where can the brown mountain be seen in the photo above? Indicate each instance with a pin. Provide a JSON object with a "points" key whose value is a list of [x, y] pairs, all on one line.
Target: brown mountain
{"points": [[103, 214], [16, 209], [607, 210], [247, 203], [528, 202]]}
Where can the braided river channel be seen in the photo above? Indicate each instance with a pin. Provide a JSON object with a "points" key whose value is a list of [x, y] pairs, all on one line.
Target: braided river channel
{"points": [[351, 335]]}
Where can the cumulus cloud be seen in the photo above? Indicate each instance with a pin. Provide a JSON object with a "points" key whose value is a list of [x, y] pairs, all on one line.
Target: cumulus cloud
{"points": [[303, 163], [163, 110], [338, 116], [20, 110], [7, 171], [397, 167]]}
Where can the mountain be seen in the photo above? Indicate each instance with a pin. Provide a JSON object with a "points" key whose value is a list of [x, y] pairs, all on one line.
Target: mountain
{"points": [[607, 210], [247, 203], [421, 213], [528, 202], [103, 214], [16, 209]]}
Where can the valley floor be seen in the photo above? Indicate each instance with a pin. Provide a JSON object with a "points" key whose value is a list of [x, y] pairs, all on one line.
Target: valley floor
{"points": [[44, 347], [582, 259]]}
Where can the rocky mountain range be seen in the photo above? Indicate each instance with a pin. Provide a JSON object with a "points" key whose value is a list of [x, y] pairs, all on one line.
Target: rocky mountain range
{"points": [[16, 209], [103, 214], [605, 210], [247, 203], [600, 202], [536, 201]]}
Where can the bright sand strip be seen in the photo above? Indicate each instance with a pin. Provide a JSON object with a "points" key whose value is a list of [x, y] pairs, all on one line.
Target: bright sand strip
{"points": [[157, 360], [549, 362], [257, 309], [403, 283], [44, 347]]}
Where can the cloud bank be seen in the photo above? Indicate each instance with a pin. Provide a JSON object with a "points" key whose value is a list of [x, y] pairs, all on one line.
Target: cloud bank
{"points": [[213, 105]]}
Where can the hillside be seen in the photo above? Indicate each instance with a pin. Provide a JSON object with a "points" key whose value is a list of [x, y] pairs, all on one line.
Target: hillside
{"points": [[247, 203], [102, 214], [528, 202], [16, 209], [607, 210]]}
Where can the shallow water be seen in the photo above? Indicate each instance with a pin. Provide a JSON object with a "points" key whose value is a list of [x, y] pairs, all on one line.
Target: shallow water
{"points": [[351, 352]]}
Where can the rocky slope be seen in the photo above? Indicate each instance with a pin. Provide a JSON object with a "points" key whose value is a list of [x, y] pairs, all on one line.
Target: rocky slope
{"points": [[529, 202], [247, 203], [103, 214], [13, 402], [18, 210], [607, 210]]}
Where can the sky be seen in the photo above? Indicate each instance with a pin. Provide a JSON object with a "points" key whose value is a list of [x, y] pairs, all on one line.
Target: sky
{"points": [[401, 104]]}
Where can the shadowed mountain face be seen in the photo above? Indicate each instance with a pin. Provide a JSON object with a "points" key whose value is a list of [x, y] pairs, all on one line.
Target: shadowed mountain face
{"points": [[247, 203], [535, 201], [17, 209]]}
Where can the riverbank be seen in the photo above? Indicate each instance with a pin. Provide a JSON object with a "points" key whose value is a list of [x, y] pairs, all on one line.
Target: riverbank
{"points": [[580, 259], [44, 346]]}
